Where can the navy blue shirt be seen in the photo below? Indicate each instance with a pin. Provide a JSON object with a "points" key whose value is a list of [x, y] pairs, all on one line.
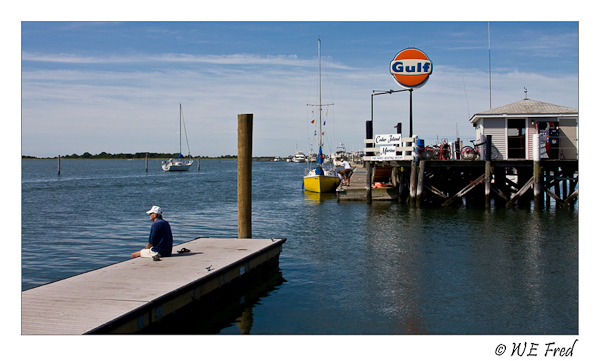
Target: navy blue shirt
{"points": [[161, 237]]}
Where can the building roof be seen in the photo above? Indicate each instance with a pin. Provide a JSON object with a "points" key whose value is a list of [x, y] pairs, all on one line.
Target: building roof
{"points": [[527, 107]]}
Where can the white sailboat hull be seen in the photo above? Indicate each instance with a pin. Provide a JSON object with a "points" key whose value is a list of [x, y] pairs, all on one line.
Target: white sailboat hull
{"points": [[176, 166]]}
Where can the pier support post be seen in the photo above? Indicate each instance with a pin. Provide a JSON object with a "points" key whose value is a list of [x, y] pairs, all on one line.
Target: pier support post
{"points": [[59, 164], [244, 179], [146, 162], [421, 182], [537, 174], [488, 183], [412, 197], [369, 135], [368, 185]]}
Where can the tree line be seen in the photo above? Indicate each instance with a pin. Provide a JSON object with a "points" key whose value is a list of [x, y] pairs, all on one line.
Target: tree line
{"points": [[105, 155]]}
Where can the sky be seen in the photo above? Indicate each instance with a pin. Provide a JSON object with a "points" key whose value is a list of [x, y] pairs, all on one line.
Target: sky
{"points": [[116, 86]]}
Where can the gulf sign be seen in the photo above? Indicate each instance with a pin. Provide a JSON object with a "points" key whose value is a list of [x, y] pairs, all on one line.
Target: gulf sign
{"points": [[411, 68]]}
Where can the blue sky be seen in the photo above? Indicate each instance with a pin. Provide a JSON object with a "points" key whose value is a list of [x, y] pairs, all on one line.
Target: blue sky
{"points": [[116, 86]]}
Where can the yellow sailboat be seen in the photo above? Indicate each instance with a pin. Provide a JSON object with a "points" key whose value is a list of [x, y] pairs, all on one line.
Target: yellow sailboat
{"points": [[321, 180]]}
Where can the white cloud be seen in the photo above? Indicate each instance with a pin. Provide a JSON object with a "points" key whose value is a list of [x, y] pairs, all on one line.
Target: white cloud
{"points": [[74, 111]]}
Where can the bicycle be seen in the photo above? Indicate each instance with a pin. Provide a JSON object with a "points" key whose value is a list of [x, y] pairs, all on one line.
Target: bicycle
{"points": [[430, 152], [472, 152], [438, 151]]}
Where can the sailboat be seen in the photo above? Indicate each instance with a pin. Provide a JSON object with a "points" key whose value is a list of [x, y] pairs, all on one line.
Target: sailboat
{"points": [[319, 179], [179, 163]]}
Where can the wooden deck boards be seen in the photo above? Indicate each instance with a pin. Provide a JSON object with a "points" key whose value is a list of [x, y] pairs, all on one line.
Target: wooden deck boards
{"points": [[357, 190], [79, 304]]}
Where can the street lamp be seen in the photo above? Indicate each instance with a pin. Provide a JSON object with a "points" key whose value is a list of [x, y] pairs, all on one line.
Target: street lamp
{"points": [[381, 92]]}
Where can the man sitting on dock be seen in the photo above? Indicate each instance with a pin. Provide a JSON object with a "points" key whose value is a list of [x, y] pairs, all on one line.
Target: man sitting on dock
{"points": [[160, 242]]}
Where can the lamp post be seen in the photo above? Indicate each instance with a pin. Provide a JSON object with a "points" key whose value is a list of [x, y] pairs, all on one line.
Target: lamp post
{"points": [[381, 92]]}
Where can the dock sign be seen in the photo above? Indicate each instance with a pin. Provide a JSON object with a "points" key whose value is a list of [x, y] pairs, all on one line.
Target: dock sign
{"points": [[388, 146], [411, 68]]}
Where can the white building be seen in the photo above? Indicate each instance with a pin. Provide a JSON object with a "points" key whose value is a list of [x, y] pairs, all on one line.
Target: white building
{"points": [[512, 128]]}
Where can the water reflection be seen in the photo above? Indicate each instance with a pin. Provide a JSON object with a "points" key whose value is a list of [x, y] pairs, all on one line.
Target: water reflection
{"points": [[311, 198], [230, 313], [244, 322]]}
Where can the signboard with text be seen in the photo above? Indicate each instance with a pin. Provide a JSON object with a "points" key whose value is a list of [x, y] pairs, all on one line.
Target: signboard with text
{"points": [[411, 68], [388, 145]]}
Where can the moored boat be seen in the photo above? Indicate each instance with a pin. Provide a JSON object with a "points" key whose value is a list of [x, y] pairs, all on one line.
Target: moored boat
{"points": [[179, 163], [299, 157], [339, 155], [319, 179]]}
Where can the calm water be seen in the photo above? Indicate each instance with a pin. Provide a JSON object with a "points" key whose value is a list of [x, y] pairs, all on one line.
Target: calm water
{"points": [[348, 268]]}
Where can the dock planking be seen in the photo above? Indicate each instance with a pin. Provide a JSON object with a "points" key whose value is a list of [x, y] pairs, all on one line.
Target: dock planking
{"points": [[130, 295], [357, 190]]}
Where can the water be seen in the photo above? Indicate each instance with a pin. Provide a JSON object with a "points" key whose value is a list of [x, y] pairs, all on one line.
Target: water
{"points": [[348, 268]]}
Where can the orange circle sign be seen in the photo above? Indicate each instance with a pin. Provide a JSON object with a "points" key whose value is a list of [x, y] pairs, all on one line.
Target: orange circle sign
{"points": [[411, 68]]}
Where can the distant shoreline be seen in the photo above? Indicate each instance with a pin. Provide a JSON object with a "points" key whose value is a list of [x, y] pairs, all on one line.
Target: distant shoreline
{"points": [[105, 155], [130, 156]]}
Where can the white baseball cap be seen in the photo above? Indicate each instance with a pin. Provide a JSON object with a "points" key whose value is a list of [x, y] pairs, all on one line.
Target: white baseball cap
{"points": [[155, 209]]}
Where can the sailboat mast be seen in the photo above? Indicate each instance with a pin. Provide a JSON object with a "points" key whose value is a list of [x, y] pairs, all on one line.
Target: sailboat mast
{"points": [[320, 121], [179, 128]]}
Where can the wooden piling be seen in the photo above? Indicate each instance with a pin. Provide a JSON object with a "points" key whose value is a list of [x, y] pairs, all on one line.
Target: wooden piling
{"points": [[244, 181], [146, 162], [369, 135], [537, 174], [420, 182], [488, 183], [413, 183], [369, 186], [59, 165]]}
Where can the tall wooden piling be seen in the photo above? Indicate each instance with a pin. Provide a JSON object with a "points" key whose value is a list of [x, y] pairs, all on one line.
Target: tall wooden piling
{"points": [[59, 165], [244, 180], [537, 174], [146, 162]]}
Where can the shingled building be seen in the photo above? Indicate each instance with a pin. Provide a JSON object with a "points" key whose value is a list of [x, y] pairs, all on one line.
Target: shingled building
{"points": [[512, 127]]}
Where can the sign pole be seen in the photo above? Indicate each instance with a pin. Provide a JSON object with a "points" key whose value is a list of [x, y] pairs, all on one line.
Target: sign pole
{"points": [[410, 131]]}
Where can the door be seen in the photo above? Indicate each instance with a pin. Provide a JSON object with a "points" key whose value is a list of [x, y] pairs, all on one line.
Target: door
{"points": [[515, 139]]}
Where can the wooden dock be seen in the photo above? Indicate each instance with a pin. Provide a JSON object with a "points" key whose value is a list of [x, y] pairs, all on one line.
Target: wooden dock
{"points": [[129, 296], [357, 190], [448, 182]]}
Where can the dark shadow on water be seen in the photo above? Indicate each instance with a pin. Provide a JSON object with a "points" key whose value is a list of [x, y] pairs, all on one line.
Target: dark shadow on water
{"points": [[232, 304]]}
